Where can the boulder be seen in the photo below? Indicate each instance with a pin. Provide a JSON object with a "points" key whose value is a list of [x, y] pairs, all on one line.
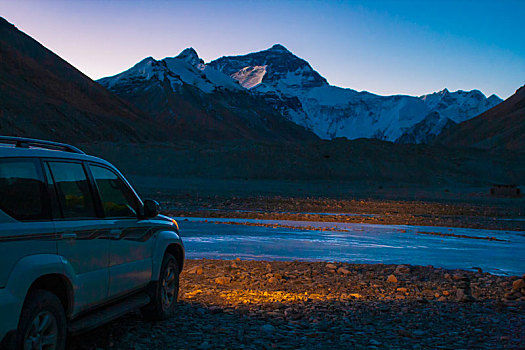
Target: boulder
{"points": [[518, 284], [392, 279], [343, 271]]}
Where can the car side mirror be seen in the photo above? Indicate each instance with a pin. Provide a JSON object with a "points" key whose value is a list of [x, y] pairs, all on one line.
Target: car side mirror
{"points": [[151, 208]]}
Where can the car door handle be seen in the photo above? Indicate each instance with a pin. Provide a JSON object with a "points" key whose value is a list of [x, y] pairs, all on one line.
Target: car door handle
{"points": [[68, 235], [115, 234]]}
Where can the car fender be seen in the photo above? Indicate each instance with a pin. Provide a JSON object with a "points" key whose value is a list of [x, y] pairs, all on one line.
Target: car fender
{"points": [[164, 239], [26, 271]]}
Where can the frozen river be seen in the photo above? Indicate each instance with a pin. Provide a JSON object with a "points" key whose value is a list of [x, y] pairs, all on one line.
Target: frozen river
{"points": [[355, 243]]}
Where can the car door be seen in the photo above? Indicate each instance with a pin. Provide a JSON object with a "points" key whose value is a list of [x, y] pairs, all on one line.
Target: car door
{"points": [[131, 246], [83, 242], [26, 228]]}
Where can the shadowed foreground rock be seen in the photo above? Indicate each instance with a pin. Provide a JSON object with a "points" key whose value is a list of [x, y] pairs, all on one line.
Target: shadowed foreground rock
{"points": [[288, 305]]}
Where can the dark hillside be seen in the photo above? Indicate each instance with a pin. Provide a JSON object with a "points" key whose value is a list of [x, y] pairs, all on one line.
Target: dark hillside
{"points": [[43, 96]]}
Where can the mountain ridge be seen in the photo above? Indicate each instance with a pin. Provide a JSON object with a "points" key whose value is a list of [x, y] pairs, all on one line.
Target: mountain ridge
{"points": [[331, 111], [200, 102], [499, 128], [300, 94]]}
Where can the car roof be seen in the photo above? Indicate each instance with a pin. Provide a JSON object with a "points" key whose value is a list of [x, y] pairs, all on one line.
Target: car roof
{"points": [[10, 151]]}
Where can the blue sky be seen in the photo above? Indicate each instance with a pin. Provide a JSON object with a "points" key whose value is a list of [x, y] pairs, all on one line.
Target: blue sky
{"points": [[385, 47]]}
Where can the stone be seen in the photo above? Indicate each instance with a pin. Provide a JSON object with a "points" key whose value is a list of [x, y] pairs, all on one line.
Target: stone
{"points": [[463, 295], [460, 294], [392, 279], [331, 266], [518, 284], [204, 345], [401, 269], [196, 269], [223, 280], [446, 293], [418, 333], [268, 328], [272, 280], [401, 289], [343, 271], [404, 333]]}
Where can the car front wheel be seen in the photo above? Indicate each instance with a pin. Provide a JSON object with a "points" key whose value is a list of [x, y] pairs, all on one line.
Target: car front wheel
{"points": [[165, 291]]}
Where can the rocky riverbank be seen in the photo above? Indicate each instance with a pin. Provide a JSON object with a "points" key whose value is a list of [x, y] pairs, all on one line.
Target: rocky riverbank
{"points": [[287, 305], [504, 215]]}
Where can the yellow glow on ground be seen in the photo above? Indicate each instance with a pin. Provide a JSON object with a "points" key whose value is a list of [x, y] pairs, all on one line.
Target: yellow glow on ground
{"points": [[249, 296]]}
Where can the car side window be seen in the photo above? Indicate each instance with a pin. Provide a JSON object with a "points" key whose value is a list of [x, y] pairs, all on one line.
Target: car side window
{"points": [[22, 190], [117, 199], [73, 190]]}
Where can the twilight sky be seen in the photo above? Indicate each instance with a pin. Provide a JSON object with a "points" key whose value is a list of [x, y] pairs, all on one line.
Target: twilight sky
{"points": [[385, 47]]}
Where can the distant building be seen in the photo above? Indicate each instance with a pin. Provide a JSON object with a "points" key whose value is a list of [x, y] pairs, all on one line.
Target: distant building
{"points": [[506, 191]]}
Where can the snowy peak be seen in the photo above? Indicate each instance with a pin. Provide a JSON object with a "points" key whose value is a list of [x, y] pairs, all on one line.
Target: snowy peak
{"points": [[279, 48], [185, 68], [459, 105], [494, 100], [283, 70], [190, 56], [148, 69]]}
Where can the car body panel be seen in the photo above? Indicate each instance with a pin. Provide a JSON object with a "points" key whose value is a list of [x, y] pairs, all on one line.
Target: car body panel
{"points": [[21, 239], [131, 255], [26, 271], [87, 253], [165, 238]]}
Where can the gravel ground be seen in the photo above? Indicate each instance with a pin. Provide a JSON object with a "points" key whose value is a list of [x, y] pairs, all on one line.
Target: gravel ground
{"points": [[237, 304]]}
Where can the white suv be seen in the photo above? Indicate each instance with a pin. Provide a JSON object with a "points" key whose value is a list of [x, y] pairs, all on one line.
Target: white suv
{"points": [[77, 246]]}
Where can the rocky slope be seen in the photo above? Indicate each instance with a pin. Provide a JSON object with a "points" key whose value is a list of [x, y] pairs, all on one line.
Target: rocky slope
{"points": [[500, 128], [42, 96], [200, 103]]}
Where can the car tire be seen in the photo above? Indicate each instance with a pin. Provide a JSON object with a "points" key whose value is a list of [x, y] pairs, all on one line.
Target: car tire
{"points": [[164, 292], [42, 323]]}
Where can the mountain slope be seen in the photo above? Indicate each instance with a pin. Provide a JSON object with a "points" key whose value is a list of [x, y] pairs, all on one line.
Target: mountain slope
{"points": [[302, 95], [43, 96], [500, 128], [199, 102]]}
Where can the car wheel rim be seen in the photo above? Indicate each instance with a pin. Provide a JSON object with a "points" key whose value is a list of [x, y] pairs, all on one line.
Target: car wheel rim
{"points": [[168, 287], [42, 333]]}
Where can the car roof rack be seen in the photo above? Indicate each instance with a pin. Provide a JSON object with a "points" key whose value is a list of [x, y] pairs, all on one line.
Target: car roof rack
{"points": [[24, 142]]}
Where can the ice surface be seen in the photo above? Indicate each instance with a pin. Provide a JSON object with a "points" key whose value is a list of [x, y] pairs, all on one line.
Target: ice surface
{"points": [[357, 243]]}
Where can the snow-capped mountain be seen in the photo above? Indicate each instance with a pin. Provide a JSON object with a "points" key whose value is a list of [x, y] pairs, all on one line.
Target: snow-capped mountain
{"points": [[187, 68], [200, 102], [292, 88], [305, 97]]}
